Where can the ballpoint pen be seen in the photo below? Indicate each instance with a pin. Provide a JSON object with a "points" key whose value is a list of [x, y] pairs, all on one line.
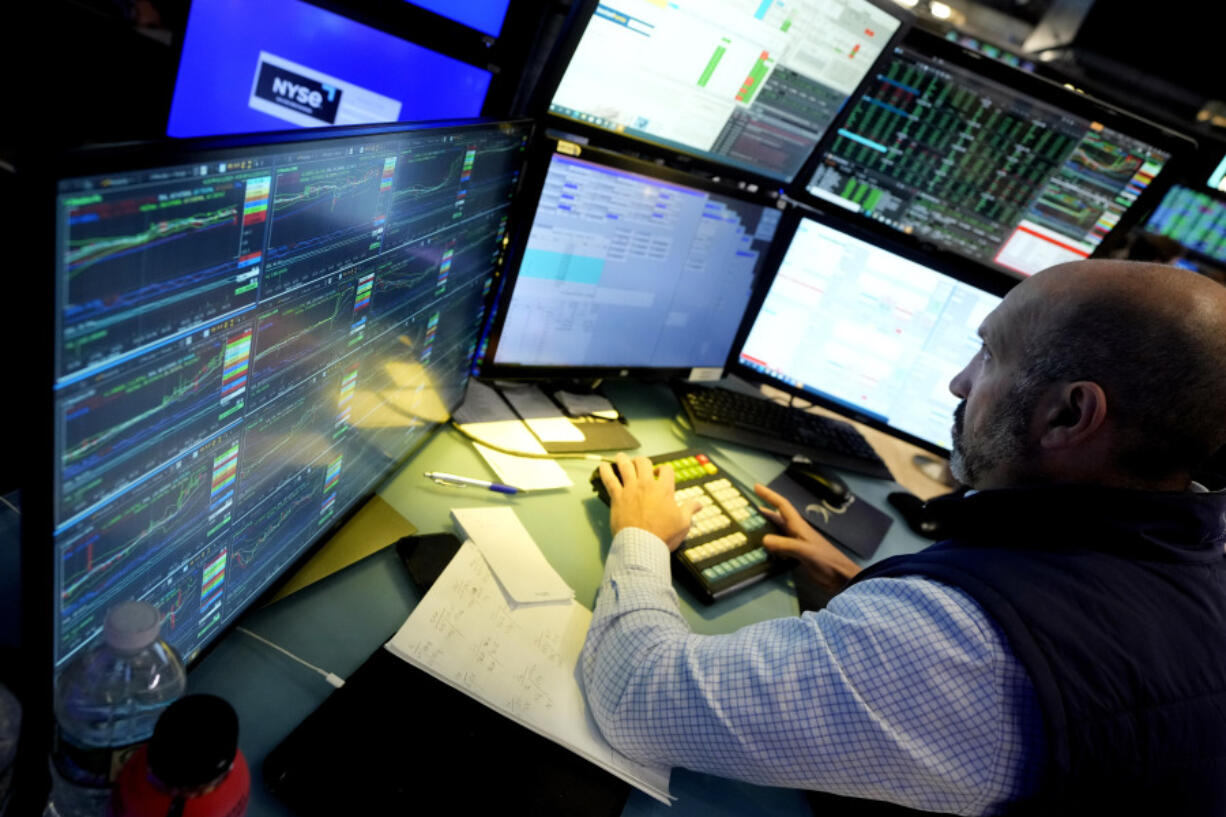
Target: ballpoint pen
{"points": [[469, 482]]}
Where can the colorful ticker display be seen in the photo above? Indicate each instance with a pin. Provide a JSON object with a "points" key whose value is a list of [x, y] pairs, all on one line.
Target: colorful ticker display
{"points": [[981, 169], [246, 346], [1194, 219]]}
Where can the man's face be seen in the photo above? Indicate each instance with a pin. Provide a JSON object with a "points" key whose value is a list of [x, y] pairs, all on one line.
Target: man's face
{"points": [[991, 424]]}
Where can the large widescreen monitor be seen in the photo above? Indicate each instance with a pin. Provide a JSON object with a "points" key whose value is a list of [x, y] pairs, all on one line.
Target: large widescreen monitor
{"points": [[247, 339], [753, 85], [273, 64], [628, 268], [867, 329], [1195, 219], [987, 162]]}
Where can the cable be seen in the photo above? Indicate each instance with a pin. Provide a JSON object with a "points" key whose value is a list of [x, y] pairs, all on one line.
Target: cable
{"points": [[332, 678], [11, 506], [528, 454]]}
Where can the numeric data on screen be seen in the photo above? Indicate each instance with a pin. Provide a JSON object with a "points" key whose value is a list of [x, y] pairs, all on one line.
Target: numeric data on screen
{"points": [[988, 172], [751, 84], [623, 270], [862, 326]]}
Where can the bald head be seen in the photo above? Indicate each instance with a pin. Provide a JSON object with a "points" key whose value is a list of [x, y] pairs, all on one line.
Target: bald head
{"points": [[1152, 336]]}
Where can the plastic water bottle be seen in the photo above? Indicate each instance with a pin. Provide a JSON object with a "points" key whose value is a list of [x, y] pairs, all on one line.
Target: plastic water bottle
{"points": [[107, 701]]}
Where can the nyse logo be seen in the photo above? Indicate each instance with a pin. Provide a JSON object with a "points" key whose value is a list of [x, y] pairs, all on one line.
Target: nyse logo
{"points": [[302, 94]]}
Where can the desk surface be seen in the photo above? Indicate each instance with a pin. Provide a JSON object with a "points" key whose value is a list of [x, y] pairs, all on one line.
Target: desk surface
{"points": [[336, 623]]}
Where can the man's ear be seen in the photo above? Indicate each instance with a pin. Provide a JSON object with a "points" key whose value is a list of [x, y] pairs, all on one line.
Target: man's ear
{"points": [[1071, 414]]}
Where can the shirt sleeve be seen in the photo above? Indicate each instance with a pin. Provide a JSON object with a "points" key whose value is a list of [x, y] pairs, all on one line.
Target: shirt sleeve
{"points": [[901, 690]]}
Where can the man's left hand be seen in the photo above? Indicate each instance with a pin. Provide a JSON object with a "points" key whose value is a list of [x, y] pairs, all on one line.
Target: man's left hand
{"points": [[641, 499]]}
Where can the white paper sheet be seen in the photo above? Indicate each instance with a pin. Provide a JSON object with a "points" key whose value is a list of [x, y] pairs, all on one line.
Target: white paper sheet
{"points": [[508, 548], [519, 661]]}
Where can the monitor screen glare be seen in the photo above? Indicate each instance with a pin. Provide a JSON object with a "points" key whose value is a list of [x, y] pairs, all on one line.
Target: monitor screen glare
{"points": [[245, 345], [860, 326], [751, 84], [975, 167], [626, 270]]}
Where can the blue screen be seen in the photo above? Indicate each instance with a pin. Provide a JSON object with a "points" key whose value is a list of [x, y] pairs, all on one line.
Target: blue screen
{"points": [[483, 15], [276, 64]]}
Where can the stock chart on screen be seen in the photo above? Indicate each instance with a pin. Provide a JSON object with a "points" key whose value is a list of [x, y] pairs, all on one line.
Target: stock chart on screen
{"points": [[246, 345], [992, 173]]}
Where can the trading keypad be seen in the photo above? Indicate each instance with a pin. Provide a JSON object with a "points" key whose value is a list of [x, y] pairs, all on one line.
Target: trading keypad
{"points": [[723, 552]]}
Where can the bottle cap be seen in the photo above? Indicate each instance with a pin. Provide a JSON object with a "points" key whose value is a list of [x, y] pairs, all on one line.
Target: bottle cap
{"points": [[132, 626], [194, 742]]}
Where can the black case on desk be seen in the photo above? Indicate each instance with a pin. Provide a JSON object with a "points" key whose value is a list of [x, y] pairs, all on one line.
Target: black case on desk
{"points": [[394, 740]]}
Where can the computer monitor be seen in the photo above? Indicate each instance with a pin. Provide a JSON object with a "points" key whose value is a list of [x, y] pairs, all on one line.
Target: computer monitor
{"points": [[753, 85], [628, 269], [275, 64], [992, 164], [250, 334], [484, 15], [1195, 219], [868, 329]]}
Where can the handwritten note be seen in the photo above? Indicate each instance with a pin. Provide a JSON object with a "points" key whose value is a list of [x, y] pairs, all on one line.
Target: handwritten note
{"points": [[520, 661]]}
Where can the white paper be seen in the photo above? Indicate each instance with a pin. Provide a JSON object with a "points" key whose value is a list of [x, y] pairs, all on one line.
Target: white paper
{"points": [[540, 414], [518, 661], [517, 562], [524, 473]]}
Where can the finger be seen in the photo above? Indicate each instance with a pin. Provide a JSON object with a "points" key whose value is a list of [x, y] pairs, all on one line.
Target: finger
{"points": [[785, 545], [643, 469], [786, 510], [626, 470], [667, 478], [611, 483], [772, 515]]}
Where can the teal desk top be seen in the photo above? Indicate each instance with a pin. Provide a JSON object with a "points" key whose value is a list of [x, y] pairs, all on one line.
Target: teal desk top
{"points": [[337, 622]]}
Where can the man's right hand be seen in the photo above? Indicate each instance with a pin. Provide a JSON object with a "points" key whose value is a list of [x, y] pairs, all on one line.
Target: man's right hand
{"points": [[824, 564]]}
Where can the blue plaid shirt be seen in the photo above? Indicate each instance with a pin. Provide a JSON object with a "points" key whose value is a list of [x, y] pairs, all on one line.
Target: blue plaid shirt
{"points": [[900, 690]]}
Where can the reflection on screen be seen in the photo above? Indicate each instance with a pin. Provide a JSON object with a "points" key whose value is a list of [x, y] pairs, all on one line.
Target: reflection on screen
{"points": [[1197, 221], [249, 67], [621, 269], [751, 84], [246, 346], [861, 326], [983, 170]]}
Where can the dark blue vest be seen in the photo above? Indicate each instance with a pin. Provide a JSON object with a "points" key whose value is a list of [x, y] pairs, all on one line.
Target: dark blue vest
{"points": [[1115, 602]]}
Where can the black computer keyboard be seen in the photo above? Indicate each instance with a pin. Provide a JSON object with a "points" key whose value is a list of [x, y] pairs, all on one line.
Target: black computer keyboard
{"points": [[723, 552], [761, 423]]}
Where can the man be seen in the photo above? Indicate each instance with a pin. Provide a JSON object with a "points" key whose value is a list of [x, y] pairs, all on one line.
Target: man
{"points": [[1063, 652]]}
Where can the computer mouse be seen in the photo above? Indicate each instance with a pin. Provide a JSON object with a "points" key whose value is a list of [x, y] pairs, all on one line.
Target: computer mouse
{"points": [[822, 484]]}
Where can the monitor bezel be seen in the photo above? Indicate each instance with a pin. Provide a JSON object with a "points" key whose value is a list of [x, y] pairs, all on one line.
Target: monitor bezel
{"points": [[1181, 147], [539, 163], [38, 543], [695, 161], [957, 269]]}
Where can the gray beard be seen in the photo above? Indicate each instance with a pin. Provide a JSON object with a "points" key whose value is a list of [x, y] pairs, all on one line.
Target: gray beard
{"points": [[1002, 442]]}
